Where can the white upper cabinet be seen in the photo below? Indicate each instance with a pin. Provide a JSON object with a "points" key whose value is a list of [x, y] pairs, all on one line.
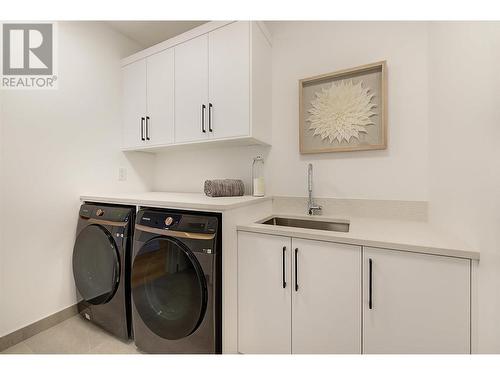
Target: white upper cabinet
{"points": [[415, 303], [326, 298], [229, 83], [148, 101], [134, 104], [212, 83], [160, 98], [191, 90]]}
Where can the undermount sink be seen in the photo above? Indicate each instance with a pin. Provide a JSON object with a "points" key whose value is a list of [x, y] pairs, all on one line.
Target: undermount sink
{"points": [[335, 226]]}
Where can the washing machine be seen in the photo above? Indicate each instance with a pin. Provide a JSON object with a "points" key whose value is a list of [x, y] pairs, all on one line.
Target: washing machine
{"points": [[101, 266], [176, 282]]}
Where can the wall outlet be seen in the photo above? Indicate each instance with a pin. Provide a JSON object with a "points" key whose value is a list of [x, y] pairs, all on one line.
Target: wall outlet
{"points": [[122, 174]]}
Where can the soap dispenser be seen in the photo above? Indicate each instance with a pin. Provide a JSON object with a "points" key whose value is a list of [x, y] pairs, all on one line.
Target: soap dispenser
{"points": [[258, 184]]}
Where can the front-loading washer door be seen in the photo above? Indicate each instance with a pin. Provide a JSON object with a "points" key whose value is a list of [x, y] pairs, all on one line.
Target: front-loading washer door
{"points": [[96, 265], [168, 288]]}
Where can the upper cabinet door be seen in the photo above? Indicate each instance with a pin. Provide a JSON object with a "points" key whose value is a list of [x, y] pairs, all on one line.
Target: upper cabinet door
{"points": [[191, 90], [229, 80], [418, 304], [326, 298], [160, 98], [264, 315], [134, 104]]}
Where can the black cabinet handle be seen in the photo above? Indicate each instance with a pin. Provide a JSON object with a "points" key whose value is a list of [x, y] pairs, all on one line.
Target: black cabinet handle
{"points": [[284, 265], [147, 128], [142, 129], [210, 117], [370, 283], [296, 274], [203, 106]]}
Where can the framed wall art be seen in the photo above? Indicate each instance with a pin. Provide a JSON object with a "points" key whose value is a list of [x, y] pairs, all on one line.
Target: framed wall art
{"points": [[344, 110]]}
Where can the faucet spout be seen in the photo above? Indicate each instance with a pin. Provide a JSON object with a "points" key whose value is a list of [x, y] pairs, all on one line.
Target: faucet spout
{"points": [[311, 206], [309, 178]]}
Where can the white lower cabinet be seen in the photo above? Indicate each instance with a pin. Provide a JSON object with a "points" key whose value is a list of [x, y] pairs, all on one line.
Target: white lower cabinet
{"points": [[312, 307], [264, 299], [326, 298], [419, 303], [306, 296]]}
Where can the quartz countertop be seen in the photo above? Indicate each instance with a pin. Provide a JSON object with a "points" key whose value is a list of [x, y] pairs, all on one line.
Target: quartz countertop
{"points": [[195, 201], [404, 235]]}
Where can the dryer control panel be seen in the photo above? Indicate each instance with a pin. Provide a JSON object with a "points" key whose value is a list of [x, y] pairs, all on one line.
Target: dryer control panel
{"points": [[103, 212], [171, 220]]}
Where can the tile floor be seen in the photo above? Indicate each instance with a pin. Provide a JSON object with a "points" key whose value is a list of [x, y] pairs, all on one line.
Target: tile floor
{"points": [[73, 336]]}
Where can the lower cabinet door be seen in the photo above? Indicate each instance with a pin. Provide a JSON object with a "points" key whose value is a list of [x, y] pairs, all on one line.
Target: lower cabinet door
{"points": [[264, 299], [326, 297], [415, 303]]}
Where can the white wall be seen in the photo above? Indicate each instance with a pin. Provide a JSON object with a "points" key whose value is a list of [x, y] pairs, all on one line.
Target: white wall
{"points": [[464, 123], [303, 49], [186, 170], [57, 145]]}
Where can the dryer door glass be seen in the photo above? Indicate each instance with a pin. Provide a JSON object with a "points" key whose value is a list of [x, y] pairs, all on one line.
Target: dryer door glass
{"points": [[96, 265], [168, 288]]}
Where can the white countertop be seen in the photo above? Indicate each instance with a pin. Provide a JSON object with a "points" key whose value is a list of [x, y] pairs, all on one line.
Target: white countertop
{"points": [[405, 235], [195, 201], [415, 236]]}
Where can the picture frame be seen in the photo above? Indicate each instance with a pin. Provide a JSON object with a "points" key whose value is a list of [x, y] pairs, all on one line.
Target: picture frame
{"points": [[322, 97]]}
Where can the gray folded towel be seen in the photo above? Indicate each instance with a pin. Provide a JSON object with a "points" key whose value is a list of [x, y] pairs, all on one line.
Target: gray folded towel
{"points": [[224, 188]]}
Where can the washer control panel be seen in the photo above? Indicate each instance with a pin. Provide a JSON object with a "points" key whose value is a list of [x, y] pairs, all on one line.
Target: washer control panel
{"points": [[102, 212], [177, 221]]}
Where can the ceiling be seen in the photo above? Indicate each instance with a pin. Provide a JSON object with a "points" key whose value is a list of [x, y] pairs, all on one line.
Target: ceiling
{"points": [[148, 33]]}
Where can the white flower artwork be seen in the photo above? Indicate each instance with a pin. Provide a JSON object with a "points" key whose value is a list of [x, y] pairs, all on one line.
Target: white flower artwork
{"points": [[342, 111]]}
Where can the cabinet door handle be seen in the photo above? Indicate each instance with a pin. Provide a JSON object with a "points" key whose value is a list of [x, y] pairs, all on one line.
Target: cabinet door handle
{"points": [[147, 128], [210, 117], [296, 273], [370, 283], [142, 129], [284, 265], [203, 106]]}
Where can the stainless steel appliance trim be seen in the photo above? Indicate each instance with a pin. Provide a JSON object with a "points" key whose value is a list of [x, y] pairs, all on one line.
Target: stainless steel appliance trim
{"points": [[174, 233], [107, 222]]}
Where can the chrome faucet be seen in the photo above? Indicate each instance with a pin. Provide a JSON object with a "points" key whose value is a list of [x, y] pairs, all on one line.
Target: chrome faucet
{"points": [[311, 206]]}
